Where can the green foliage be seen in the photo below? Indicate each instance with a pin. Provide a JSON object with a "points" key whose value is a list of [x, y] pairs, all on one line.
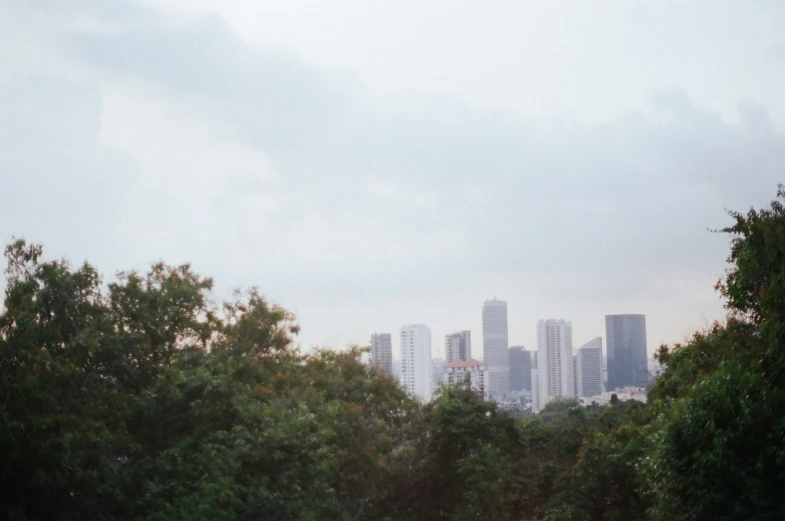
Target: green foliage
{"points": [[719, 453], [464, 453], [144, 399], [719, 447], [147, 401]]}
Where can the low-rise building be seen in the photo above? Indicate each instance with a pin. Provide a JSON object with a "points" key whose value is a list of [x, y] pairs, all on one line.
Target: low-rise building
{"points": [[474, 370], [623, 394]]}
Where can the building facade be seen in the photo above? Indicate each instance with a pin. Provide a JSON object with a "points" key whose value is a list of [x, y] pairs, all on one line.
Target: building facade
{"points": [[520, 369], [588, 368], [458, 346], [381, 351], [461, 370], [536, 402], [555, 364], [495, 347], [625, 337], [416, 370]]}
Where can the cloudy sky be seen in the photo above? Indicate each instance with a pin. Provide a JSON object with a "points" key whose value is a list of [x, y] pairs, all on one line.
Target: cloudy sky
{"points": [[373, 164]]}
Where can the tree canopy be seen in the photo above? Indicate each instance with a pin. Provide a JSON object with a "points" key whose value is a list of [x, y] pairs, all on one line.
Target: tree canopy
{"points": [[141, 397]]}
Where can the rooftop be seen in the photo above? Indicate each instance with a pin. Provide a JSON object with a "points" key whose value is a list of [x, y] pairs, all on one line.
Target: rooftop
{"points": [[465, 363]]}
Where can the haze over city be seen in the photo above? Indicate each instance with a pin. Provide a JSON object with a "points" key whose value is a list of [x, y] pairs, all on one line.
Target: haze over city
{"points": [[368, 168]]}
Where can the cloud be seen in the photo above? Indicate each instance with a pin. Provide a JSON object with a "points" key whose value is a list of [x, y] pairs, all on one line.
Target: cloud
{"points": [[156, 135]]}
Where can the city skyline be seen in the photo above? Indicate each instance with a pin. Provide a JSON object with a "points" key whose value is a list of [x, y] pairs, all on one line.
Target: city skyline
{"points": [[556, 369], [476, 350]]}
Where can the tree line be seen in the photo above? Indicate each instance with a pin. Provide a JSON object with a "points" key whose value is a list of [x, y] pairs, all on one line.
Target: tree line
{"points": [[143, 398]]}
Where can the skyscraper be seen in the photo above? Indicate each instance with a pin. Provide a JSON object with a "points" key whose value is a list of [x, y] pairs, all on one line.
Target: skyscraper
{"points": [[458, 346], [416, 370], [381, 351], [555, 365], [495, 347], [626, 345], [588, 368], [520, 369]]}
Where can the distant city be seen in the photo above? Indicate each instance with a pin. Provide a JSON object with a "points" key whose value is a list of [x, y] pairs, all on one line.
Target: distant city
{"points": [[516, 377]]}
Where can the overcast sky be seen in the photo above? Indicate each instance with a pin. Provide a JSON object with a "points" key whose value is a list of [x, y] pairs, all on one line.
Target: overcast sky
{"points": [[373, 164]]}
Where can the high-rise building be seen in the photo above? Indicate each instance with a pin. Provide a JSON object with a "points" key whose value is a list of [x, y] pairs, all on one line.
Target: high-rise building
{"points": [[626, 346], [381, 351], [495, 347], [416, 370], [461, 370], [555, 365], [520, 369], [536, 402], [458, 346], [588, 368]]}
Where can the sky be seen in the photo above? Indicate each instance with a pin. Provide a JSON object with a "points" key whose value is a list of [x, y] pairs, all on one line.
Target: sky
{"points": [[368, 165]]}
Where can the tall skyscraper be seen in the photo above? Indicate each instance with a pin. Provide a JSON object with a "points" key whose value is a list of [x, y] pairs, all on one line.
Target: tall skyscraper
{"points": [[588, 368], [626, 345], [520, 369], [458, 346], [495, 347], [381, 351], [555, 365], [416, 370]]}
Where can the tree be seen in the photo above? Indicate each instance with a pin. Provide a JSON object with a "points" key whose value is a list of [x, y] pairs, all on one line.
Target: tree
{"points": [[145, 400], [719, 450], [463, 453]]}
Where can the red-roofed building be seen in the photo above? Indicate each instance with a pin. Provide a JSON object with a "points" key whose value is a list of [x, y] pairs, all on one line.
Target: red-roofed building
{"points": [[474, 370]]}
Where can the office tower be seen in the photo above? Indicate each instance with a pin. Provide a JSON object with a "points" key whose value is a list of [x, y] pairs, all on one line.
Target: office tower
{"points": [[626, 346], [416, 371], [520, 369], [458, 346], [555, 363], [495, 347], [381, 351], [461, 370], [588, 368]]}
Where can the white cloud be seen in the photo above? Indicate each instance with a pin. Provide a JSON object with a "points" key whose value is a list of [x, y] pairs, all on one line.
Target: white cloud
{"points": [[363, 208]]}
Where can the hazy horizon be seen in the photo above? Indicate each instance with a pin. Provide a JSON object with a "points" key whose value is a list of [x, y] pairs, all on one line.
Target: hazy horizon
{"points": [[369, 167]]}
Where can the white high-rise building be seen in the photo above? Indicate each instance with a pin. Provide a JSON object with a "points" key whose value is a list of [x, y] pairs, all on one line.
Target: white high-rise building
{"points": [[458, 346], [555, 365], [416, 371], [495, 346], [381, 351], [588, 368]]}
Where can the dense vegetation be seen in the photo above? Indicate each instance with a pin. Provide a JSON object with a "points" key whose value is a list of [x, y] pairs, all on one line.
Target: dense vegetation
{"points": [[144, 399]]}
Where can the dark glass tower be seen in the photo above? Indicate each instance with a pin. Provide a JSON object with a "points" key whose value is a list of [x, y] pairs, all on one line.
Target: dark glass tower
{"points": [[626, 350]]}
